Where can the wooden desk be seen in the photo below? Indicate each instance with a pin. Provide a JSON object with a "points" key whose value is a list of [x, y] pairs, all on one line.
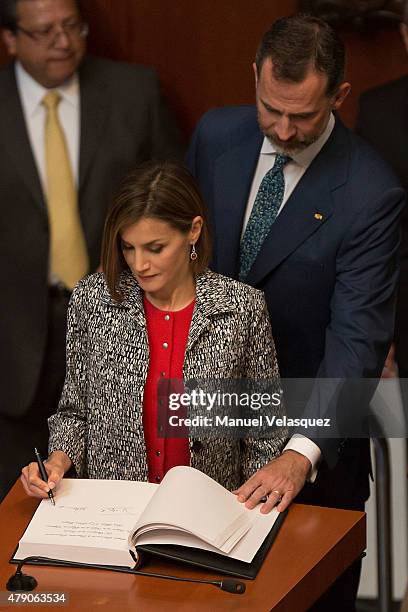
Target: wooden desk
{"points": [[314, 546]]}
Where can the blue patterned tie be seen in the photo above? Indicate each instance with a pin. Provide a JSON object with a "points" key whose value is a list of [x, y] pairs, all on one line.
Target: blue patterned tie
{"points": [[265, 210]]}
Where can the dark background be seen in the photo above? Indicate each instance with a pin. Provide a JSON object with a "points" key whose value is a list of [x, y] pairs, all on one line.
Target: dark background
{"points": [[203, 49]]}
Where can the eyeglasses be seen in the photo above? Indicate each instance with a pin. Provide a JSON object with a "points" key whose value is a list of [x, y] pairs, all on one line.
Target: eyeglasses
{"points": [[48, 35]]}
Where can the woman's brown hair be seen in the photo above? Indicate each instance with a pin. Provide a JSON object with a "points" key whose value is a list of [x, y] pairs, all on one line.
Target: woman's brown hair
{"points": [[159, 190]]}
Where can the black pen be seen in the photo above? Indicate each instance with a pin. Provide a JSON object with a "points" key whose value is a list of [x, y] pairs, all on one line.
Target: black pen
{"points": [[43, 473]]}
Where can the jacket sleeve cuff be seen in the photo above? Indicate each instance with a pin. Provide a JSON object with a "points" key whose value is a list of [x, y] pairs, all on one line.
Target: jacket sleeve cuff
{"points": [[309, 449]]}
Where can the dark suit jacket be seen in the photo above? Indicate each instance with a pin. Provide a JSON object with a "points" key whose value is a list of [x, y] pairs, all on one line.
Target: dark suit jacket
{"points": [[329, 282], [123, 121], [383, 121]]}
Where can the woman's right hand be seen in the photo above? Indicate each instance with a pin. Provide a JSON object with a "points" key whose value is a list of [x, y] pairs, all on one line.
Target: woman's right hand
{"points": [[56, 465]]}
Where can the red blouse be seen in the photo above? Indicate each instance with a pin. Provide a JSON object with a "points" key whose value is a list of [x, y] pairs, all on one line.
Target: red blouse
{"points": [[167, 333]]}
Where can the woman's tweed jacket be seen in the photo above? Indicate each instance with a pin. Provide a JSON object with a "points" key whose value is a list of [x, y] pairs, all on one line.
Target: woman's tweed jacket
{"points": [[99, 419]]}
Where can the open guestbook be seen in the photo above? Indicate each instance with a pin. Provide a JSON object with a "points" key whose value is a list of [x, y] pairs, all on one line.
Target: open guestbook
{"points": [[116, 523]]}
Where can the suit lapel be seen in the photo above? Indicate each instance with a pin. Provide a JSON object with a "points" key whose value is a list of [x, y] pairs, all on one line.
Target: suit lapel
{"points": [[15, 137], [94, 107], [233, 179], [308, 208]]}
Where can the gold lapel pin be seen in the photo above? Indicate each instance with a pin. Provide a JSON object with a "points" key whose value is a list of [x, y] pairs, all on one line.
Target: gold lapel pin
{"points": [[318, 216]]}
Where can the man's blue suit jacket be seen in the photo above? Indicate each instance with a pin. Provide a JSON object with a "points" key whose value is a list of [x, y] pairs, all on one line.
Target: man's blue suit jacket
{"points": [[328, 266]]}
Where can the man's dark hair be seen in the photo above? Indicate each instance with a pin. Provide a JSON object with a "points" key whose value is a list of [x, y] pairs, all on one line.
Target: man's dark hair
{"points": [[297, 43], [8, 13]]}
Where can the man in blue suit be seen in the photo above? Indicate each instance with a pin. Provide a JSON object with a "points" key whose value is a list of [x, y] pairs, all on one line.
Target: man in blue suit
{"points": [[304, 210]]}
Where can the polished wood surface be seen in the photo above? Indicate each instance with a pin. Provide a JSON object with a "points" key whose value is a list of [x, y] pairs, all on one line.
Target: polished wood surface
{"points": [[313, 547]]}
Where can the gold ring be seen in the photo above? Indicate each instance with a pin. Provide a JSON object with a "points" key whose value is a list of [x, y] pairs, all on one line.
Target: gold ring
{"points": [[278, 493]]}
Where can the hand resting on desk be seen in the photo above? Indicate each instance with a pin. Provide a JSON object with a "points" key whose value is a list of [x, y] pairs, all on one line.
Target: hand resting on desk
{"points": [[57, 464]]}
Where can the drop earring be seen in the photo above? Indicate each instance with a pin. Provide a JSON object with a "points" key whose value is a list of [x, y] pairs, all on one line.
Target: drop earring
{"points": [[193, 254]]}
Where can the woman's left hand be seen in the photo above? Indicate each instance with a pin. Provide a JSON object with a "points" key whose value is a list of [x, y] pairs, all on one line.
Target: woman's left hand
{"points": [[280, 481]]}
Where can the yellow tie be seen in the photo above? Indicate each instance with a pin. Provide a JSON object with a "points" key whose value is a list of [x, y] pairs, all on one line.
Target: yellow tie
{"points": [[68, 255]]}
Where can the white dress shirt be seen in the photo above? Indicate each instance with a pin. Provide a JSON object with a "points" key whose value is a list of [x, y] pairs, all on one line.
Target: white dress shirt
{"points": [[293, 172], [31, 96]]}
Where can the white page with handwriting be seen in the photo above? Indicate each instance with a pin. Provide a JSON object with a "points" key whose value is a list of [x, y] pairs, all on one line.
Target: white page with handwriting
{"points": [[95, 516]]}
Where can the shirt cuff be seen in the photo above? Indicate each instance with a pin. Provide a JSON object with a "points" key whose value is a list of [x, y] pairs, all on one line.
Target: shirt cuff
{"points": [[309, 449]]}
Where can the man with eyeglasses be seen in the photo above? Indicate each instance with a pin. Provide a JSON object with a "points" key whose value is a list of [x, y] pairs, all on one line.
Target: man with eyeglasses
{"points": [[71, 127]]}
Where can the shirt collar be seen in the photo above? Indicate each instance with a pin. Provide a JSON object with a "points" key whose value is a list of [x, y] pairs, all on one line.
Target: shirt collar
{"points": [[303, 158], [32, 92]]}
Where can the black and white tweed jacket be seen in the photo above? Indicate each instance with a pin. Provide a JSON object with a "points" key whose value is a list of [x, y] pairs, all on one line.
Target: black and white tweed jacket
{"points": [[99, 419]]}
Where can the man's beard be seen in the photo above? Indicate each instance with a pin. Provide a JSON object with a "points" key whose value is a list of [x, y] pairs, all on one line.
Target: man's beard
{"points": [[293, 146]]}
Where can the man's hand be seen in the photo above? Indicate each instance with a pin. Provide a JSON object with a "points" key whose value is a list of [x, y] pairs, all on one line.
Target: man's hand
{"points": [[280, 480]]}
